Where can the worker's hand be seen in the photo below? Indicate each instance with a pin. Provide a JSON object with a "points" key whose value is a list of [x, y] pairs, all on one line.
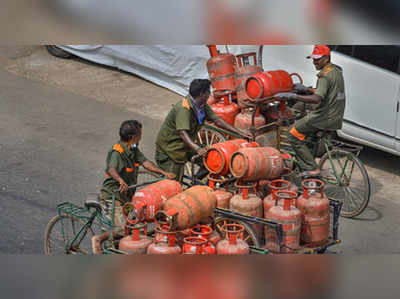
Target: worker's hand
{"points": [[202, 151], [286, 95], [302, 89], [123, 187], [169, 175]]}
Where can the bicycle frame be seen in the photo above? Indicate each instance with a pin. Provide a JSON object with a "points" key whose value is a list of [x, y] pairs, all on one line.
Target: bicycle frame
{"points": [[67, 208]]}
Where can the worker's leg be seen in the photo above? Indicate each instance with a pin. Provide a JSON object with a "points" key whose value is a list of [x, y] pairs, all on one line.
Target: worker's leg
{"points": [[167, 164], [297, 138]]}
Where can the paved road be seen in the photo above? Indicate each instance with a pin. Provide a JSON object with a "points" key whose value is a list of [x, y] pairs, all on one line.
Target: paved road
{"points": [[53, 144], [52, 149]]}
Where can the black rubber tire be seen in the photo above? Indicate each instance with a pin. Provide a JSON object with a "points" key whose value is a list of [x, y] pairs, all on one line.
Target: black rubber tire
{"points": [[346, 194], [53, 232], [251, 235], [58, 52]]}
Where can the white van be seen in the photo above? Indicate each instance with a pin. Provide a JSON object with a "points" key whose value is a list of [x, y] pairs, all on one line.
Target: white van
{"points": [[372, 82]]}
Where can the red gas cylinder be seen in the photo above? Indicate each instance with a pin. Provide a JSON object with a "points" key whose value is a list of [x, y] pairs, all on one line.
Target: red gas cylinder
{"points": [[213, 50], [224, 107], [244, 70], [204, 231], [135, 243], [181, 235], [193, 245], [221, 70], [248, 203], [270, 200], [266, 84], [188, 208], [164, 243], [314, 206], [219, 155], [232, 244], [243, 120], [253, 164], [150, 198], [290, 218], [223, 195]]}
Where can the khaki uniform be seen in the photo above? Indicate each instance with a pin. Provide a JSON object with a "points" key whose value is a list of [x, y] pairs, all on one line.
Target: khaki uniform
{"points": [[327, 116], [171, 151], [126, 162]]}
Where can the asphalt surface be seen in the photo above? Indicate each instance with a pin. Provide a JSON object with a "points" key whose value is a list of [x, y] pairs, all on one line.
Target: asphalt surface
{"points": [[53, 143], [52, 147]]}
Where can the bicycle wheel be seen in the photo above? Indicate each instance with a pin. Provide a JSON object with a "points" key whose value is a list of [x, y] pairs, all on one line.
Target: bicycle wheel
{"points": [[206, 137], [55, 243], [351, 183], [249, 236]]}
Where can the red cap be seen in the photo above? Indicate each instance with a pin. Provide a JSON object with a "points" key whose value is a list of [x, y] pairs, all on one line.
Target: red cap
{"points": [[319, 51]]}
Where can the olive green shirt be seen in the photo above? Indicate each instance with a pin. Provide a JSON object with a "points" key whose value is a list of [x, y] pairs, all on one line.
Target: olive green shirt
{"points": [[126, 162], [330, 86], [181, 117]]}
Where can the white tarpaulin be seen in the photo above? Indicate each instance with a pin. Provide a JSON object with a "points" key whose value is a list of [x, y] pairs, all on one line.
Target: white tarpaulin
{"points": [[170, 66]]}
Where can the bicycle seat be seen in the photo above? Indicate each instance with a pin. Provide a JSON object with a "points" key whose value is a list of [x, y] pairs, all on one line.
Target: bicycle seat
{"points": [[92, 201]]}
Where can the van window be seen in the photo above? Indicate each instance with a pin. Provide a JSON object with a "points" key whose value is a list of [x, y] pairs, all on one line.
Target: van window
{"points": [[387, 57], [347, 50]]}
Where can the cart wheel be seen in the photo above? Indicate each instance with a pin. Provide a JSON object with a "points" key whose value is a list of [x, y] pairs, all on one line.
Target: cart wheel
{"points": [[55, 243], [249, 236], [351, 183], [206, 137]]}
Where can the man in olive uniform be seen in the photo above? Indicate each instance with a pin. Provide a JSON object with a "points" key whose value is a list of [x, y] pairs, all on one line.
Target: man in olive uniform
{"points": [[174, 144], [330, 97], [122, 163]]}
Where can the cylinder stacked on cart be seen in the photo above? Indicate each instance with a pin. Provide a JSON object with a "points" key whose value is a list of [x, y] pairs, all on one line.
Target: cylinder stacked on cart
{"points": [[183, 220], [238, 82]]}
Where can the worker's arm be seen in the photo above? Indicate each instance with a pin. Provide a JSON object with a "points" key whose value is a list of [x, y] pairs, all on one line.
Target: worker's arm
{"points": [[154, 168], [123, 187], [212, 116], [309, 99], [186, 138], [223, 124]]}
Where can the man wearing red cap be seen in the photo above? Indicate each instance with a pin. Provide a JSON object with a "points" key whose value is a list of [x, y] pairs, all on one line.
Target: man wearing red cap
{"points": [[328, 115]]}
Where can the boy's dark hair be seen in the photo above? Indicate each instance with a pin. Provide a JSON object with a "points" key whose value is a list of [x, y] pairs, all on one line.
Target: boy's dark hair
{"points": [[129, 129], [199, 86]]}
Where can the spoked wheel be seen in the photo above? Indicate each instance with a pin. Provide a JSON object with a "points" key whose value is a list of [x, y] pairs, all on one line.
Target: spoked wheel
{"points": [[206, 137], [61, 230], [249, 236], [346, 180]]}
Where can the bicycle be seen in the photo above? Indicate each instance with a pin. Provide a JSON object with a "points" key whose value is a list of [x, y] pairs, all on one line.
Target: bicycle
{"points": [[72, 229], [345, 177]]}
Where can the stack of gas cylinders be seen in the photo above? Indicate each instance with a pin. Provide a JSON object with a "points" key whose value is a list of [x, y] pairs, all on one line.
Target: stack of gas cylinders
{"points": [[261, 192], [238, 80], [244, 178], [182, 222]]}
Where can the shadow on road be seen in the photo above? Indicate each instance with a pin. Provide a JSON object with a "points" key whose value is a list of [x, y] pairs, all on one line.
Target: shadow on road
{"points": [[370, 214]]}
